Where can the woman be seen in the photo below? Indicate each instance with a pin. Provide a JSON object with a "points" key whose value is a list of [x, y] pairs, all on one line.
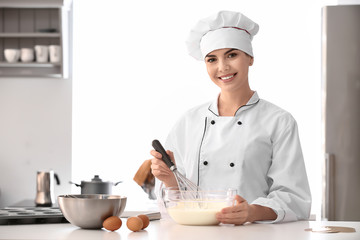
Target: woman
{"points": [[239, 140]]}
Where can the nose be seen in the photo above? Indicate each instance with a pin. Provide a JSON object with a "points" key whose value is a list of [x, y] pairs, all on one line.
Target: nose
{"points": [[223, 66]]}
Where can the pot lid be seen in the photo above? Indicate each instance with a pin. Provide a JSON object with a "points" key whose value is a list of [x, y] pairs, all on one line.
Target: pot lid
{"points": [[96, 179]]}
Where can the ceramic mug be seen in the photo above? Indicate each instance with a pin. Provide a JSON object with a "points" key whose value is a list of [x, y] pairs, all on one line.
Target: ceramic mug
{"points": [[12, 55], [27, 55], [55, 53], [42, 53]]}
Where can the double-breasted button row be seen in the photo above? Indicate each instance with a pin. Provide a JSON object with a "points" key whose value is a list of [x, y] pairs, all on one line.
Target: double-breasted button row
{"points": [[213, 122], [206, 163]]}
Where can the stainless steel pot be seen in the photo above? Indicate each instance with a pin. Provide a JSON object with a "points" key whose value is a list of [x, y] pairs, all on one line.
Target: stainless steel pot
{"points": [[96, 186]]}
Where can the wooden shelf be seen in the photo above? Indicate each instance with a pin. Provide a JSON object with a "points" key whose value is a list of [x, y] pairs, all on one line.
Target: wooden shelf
{"points": [[30, 35], [33, 3], [30, 64]]}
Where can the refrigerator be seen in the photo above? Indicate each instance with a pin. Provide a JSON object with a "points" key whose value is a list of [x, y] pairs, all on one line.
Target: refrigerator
{"points": [[340, 74]]}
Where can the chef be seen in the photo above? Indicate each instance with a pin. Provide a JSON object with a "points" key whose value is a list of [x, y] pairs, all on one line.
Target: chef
{"points": [[238, 140]]}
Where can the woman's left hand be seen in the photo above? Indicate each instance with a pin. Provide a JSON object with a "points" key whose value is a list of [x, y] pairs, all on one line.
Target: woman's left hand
{"points": [[237, 214]]}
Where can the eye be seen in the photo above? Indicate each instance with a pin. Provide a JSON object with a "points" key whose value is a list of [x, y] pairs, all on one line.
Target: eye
{"points": [[231, 55], [210, 60]]}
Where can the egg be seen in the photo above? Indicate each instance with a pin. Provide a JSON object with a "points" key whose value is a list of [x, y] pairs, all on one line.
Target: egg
{"points": [[112, 223], [145, 220], [134, 224]]}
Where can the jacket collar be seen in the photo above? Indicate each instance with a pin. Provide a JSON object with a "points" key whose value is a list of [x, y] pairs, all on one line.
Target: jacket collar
{"points": [[213, 107]]}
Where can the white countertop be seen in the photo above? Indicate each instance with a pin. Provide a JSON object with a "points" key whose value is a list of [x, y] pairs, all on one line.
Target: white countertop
{"points": [[166, 229]]}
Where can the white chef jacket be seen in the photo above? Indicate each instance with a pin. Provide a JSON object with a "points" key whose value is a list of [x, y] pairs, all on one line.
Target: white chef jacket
{"points": [[257, 151]]}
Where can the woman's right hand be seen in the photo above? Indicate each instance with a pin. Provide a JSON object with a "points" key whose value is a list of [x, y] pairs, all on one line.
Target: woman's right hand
{"points": [[160, 170]]}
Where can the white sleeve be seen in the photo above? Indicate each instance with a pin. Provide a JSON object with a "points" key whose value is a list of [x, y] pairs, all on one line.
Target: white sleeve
{"points": [[289, 193], [170, 144]]}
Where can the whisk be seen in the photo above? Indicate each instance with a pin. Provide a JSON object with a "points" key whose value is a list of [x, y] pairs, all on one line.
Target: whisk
{"points": [[188, 189]]}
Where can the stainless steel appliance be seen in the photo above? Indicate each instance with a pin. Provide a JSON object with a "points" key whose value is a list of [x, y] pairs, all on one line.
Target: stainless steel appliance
{"points": [[45, 188], [96, 186], [341, 111]]}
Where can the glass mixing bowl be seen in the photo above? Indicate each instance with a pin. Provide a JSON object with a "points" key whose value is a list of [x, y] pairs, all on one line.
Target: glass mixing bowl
{"points": [[196, 207]]}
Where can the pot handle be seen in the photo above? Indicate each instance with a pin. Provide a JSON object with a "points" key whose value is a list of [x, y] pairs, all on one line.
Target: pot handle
{"points": [[117, 183], [78, 185]]}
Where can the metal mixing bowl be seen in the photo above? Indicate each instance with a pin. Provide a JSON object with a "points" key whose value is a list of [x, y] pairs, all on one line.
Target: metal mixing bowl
{"points": [[90, 210], [196, 207]]}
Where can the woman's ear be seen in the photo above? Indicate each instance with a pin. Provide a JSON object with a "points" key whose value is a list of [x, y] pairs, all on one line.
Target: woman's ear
{"points": [[251, 61]]}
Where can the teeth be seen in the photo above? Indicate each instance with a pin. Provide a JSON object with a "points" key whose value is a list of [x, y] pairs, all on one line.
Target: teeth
{"points": [[226, 78]]}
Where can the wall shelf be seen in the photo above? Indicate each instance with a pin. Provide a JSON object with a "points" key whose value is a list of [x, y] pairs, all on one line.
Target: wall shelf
{"points": [[29, 23], [30, 64], [30, 35]]}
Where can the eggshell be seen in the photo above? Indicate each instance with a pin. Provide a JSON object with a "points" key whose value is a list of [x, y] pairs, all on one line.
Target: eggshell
{"points": [[145, 220], [134, 224], [112, 223]]}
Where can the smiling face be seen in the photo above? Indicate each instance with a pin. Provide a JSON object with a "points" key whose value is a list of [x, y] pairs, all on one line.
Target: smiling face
{"points": [[228, 68]]}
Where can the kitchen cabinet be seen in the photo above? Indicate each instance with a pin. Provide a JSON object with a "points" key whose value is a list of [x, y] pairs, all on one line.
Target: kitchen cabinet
{"points": [[27, 23]]}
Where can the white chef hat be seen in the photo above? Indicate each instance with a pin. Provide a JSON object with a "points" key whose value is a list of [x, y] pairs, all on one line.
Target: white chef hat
{"points": [[225, 29]]}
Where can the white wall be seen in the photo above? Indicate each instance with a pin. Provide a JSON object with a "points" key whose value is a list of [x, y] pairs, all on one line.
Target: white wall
{"points": [[35, 134], [131, 62], [133, 77]]}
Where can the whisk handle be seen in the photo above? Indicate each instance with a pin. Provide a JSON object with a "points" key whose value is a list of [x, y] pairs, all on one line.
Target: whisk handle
{"points": [[165, 157]]}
